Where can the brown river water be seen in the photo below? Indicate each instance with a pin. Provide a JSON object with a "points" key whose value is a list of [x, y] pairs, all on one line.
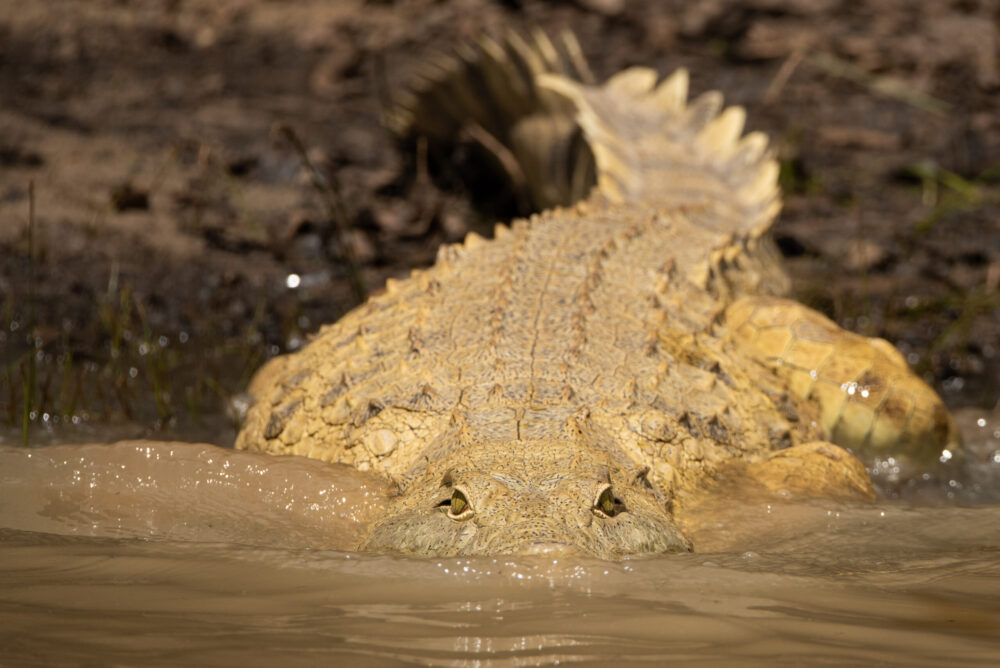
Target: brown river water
{"points": [[144, 553]]}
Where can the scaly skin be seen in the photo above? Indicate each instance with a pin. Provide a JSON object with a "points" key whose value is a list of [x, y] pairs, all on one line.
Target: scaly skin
{"points": [[576, 382]]}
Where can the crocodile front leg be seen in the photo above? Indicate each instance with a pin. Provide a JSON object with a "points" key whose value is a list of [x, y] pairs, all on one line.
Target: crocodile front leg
{"points": [[869, 400]]}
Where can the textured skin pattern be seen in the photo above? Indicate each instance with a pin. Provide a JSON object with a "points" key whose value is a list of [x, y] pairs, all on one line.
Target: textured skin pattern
{"points": [[869, 399], [627, 342]]}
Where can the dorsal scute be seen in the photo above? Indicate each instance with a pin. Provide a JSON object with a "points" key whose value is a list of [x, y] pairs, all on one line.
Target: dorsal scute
{"points": [[634, 81], [636, 137], [652, 145], [487, 93], [671, 94]]}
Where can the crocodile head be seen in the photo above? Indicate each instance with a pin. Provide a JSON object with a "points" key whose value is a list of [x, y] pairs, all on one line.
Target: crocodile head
{"points": [[528, 497]]}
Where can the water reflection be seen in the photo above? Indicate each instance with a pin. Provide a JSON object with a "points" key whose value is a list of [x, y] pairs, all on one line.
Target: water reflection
{"points": [[128, 600], [166, 554]]}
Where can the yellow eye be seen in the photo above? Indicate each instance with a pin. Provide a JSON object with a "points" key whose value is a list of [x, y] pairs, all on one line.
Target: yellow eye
{"points": [[459, 504], [607, 504]]}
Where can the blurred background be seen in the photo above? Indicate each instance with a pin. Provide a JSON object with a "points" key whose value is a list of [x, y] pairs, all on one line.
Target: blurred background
{"points": [[183, 183]]}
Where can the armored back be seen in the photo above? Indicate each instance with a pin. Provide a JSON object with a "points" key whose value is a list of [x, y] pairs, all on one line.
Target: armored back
{"points": [[632, 142]]}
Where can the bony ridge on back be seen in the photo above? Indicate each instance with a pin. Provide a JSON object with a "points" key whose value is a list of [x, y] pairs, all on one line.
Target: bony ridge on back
{"points": [[584, 379]]}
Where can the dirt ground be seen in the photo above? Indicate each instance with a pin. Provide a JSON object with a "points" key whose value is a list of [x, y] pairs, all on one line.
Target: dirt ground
{"points": [[171, 208]]}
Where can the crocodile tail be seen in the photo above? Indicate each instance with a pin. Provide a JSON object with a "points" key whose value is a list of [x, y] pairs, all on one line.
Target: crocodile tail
{"points": [[488, 93], [532, 103], [652, 145]]}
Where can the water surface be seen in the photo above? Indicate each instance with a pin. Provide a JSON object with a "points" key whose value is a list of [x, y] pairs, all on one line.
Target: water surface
{"points": [[172, 553]]}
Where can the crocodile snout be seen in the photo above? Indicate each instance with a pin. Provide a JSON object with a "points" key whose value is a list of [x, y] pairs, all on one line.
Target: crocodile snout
{"points": [[551, 549], [535, 537]]}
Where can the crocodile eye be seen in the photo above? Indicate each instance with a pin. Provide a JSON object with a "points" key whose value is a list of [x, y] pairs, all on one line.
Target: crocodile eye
{"points": [[607, 504], [457, 505]]}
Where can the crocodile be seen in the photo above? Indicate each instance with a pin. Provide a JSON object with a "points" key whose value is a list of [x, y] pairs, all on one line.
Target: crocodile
{"points": [[578, 381]]}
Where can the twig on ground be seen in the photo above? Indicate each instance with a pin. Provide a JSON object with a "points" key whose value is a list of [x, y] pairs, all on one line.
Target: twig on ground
{"points": [[31, 380], [330, 193], [890, 87], [784, 74]]}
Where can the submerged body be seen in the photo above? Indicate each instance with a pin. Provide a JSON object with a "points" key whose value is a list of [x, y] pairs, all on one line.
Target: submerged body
{"points": [[575, 382]]}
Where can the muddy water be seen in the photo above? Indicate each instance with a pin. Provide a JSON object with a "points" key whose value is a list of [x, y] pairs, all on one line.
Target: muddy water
{"points": [[175, 554]]}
